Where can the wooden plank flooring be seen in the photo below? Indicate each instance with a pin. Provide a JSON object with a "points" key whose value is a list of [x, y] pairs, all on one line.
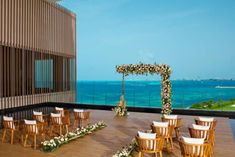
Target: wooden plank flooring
{"points": [[120, 131]]}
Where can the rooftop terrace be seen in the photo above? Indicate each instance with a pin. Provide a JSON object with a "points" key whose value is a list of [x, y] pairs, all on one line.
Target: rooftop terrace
{"points": [[118, 133]]}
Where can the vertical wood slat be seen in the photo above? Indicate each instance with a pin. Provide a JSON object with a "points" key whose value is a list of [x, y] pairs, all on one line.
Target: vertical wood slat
{"points": [[4, 76], [18, 24], [3, 21], [6, 23], [1, 75], [24, 21], [1, 24], [26, 28]]}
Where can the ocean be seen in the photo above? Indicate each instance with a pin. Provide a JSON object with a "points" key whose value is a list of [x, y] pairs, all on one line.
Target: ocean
{"points": [[147, 93]]}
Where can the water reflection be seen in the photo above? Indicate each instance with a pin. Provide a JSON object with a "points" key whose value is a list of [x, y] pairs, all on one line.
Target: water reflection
{"points": [[26, 114]]}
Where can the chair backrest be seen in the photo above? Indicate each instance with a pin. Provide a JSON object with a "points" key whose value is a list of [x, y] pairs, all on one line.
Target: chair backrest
{"points": [[162, 129], [56, 118], [8, 123], [81, 114], [203, 121], [31, 126], [38, 116], [195, 150], [150, 145], [197, 131], [173, 120], [60, 110]]}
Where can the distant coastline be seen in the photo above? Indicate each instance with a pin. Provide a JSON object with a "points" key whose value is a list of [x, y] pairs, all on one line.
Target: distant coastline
{"points": [[224, 86], [157, 79]]}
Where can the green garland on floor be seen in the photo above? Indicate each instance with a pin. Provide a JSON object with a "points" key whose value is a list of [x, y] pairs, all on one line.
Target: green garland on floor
{"points": [[56, 142]]}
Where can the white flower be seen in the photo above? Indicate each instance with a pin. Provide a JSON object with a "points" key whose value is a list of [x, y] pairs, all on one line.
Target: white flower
{"points": [[52, 144], [52, 140]]}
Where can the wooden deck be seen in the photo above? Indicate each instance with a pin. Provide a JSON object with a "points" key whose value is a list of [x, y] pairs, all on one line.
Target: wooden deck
{"points": [[119, 132]]}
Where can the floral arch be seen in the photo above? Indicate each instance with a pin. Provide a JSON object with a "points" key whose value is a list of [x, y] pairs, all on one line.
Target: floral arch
{"points": [[144, 69]]}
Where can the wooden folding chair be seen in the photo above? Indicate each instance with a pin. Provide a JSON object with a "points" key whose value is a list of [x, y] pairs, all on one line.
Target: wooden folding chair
{"points": [[207, 134], [176, 122], [152, 146], [41, 119], [32, 129], [57, 122], [195, 150], [166, 132], [203, 121], [60, 110], [9, 125], [65, 114], [81, 117], [208, 121]]}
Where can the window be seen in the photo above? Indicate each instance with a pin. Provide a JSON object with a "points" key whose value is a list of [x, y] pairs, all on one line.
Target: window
{"points": [[44, 73]]}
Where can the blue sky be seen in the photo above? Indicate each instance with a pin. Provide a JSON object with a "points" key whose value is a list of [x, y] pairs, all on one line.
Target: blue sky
{"points": [[195, 37]]}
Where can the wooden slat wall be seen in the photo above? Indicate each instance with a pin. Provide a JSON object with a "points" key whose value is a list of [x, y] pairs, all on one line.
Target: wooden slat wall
{"points": [[21, 84], [38, 25]]}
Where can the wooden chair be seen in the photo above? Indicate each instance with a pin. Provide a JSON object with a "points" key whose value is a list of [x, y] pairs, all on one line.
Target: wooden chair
{"points": [[41, 119], [194, 150], [66, 118], [208, 121], [153, 146], [205, 133], [173, 121], [32, 129], [65, 115], [81, 117], [9, 125], [60, 110], [38, 116], [165, 132], [57, 122]]}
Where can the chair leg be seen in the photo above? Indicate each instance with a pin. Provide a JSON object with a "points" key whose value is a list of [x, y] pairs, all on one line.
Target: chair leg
{"points": [[4, 135], [160, 153], [80, 123], [74, 123], [167, 142], [35, 141], [177, 133], [60, 130], [171, 142], [67, 129], [22, 139], [140, 154], [51, 129], [12, 136], [25, 140], [155, 155]]}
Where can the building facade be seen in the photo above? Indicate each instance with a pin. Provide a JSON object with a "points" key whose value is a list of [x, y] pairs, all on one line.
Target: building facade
{"points": [[37, 53]]}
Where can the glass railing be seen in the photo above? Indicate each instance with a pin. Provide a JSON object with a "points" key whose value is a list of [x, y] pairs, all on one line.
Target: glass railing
{"points": [[147, 93]]}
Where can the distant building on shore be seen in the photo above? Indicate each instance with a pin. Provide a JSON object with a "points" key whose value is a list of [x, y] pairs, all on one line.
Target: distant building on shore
{"points": [[37, 53]]}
